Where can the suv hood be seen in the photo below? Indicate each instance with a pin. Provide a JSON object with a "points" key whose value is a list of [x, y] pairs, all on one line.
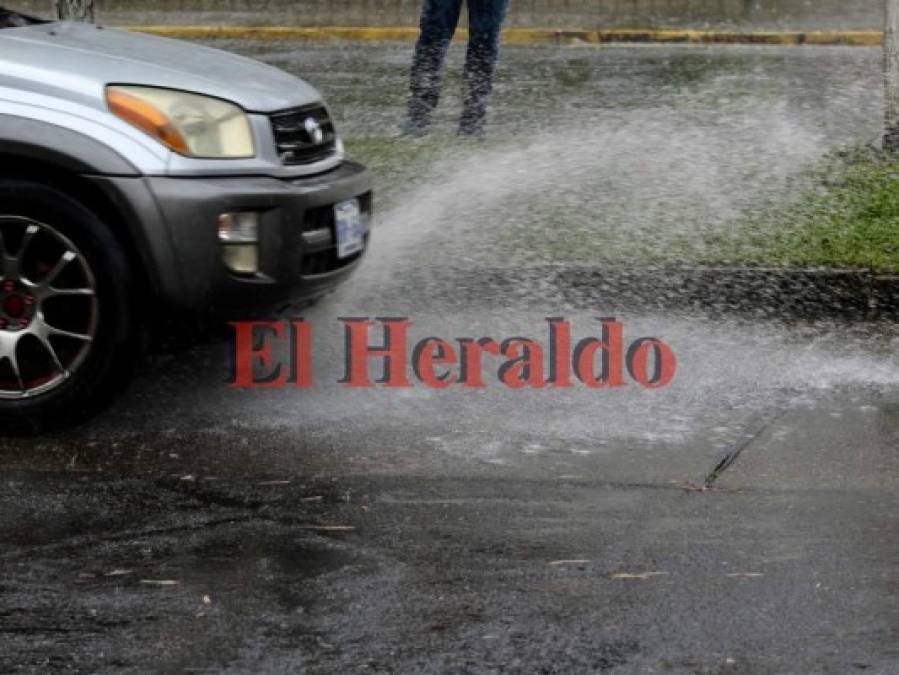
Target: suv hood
{"points": [[82, 59]]}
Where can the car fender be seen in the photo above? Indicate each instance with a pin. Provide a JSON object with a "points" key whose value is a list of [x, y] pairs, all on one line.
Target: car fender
{"points": [[63, 148], [77, 137]]}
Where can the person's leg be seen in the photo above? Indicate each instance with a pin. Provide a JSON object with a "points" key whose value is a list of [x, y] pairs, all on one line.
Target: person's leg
{"points": [[485, 25], [439, 19]]}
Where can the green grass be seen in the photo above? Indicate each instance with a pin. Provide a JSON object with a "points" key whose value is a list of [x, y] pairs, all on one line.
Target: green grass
{"points": [[848, 218]]}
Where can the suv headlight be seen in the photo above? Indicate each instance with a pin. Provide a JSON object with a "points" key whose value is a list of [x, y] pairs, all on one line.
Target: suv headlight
{"points": [[190, 124]]}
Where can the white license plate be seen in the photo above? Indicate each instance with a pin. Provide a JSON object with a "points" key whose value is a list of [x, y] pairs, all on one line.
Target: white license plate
{"points": [[350, 228]]}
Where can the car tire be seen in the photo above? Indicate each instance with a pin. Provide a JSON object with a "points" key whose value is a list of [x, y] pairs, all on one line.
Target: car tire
{"points": [[69, 329]]}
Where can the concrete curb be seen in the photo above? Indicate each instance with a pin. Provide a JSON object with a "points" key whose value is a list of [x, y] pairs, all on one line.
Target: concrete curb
{"points": [[520, 35], [784, 292]]}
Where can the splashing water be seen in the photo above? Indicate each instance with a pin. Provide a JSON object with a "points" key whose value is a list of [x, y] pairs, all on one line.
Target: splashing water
{"points": [[628, 183], [579, 174]]}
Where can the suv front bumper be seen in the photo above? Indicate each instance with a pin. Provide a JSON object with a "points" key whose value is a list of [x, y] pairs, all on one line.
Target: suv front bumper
{"points": [[297, 239]]}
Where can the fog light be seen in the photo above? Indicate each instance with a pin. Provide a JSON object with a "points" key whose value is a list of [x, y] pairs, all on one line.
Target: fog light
{"points": [[241, 258], [239, 237], [239, 228]]}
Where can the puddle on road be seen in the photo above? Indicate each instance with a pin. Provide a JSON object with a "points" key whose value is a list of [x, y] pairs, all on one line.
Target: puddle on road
{"points": [[729, 373], [268, 559]]}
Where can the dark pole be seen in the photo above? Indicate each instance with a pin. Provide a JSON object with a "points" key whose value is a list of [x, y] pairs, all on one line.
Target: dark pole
{"points": [[891, 75]]}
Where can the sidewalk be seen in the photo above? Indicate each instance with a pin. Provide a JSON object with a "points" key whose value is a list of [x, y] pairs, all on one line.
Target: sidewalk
{"points": [[590, 15], [522, 35]]}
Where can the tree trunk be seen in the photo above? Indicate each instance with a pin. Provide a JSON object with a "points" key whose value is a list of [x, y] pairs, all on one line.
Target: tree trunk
{"points": [[891, 75], [74, 10]]}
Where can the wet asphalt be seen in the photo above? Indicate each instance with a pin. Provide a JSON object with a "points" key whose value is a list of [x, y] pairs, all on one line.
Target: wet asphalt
{"points": [[200, 528]]}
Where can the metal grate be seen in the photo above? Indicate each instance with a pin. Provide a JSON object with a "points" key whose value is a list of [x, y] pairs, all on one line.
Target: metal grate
{"points": [[304, 135]]}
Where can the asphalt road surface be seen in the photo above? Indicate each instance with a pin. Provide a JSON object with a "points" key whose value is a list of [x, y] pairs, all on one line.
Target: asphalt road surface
{"points": [[200, 528]]}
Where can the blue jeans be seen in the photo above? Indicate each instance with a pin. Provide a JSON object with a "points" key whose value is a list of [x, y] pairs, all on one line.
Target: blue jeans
{"points": [[439, 19]]}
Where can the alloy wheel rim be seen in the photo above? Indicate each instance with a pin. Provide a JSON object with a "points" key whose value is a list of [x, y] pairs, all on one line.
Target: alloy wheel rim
{"points": [[48, 308]]}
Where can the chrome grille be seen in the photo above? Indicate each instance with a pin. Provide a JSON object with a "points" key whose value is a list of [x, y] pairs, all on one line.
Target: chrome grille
{"points": [[304, 135]]}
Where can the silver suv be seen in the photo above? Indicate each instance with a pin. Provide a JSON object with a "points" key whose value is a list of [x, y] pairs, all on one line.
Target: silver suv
{"points": [[139, 172]]}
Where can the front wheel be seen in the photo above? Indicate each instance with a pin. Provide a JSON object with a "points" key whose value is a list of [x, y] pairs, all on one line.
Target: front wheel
{"points": [[68, 334]]}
